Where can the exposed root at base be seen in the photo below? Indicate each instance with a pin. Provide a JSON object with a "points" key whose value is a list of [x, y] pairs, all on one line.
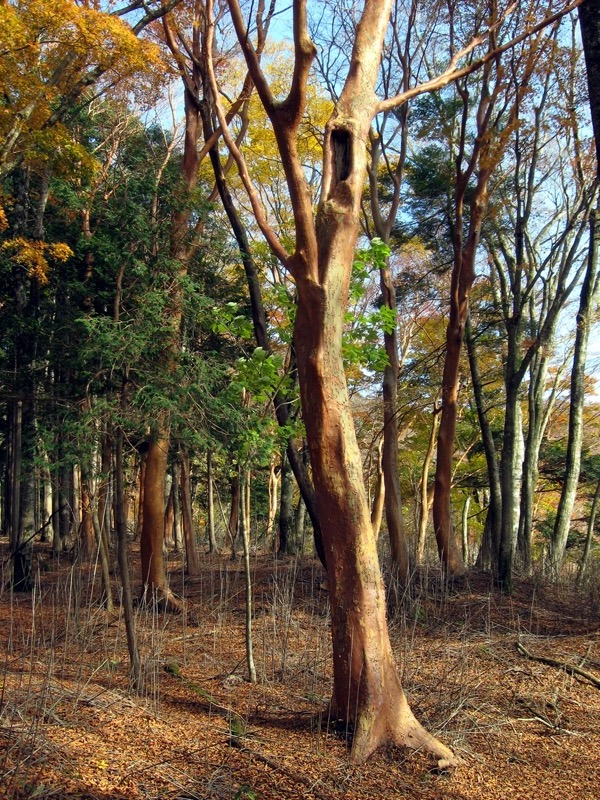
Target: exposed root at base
{"points": [[403, 730]]}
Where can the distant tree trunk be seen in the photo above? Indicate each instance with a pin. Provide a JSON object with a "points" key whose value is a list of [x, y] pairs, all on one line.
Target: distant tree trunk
{"points": [[24, 515], [465, 529], [300, 534], [248, 580], [379, 495], [141, 484], [193, 566], [177, 537], [104, 488], [234, 514], [424, 495], [585, 315], [87, 524], [47, 499], [285, 526], [589, 536], [493, 524], [212, 541], [123, 559], [273, 485], [389, 460], [100, 542], [170, 511]]}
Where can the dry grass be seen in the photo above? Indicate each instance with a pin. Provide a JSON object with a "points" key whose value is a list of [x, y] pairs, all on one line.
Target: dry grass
{"points": [[70, 728]]}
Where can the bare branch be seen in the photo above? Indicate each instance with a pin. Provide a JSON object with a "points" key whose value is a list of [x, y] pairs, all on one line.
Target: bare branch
{"points": [[453, 72]]}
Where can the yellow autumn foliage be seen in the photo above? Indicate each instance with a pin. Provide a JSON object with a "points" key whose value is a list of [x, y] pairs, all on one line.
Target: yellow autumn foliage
{"points": [[34, 255], [48, 49]]}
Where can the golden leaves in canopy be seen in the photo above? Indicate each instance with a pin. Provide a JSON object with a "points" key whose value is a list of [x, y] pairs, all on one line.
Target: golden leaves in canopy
{"points": [[34, 255], [53, 49]]}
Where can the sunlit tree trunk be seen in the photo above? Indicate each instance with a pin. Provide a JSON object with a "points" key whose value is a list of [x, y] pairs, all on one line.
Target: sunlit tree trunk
{"points": [[424, 494], [367, 691]]}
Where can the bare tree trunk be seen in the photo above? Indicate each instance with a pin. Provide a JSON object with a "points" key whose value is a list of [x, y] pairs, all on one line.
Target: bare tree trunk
{"points": [[248, 580], [273, 485], [285, 525], [379, 496], [170, 510], [465, 529], [234, 514], [212, 542], [141, 483], [589, 536], [154, 577], [424, 494], [177, 537], [389, 461], [193, 567], [123, 559], [587, 308], [367, 691]]}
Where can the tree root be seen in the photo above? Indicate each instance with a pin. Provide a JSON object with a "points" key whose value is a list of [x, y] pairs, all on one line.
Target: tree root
{"points": [[401, 729]]}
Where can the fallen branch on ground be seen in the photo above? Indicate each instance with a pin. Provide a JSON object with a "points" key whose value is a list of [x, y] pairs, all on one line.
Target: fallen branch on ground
{"points": [[552, 662]]}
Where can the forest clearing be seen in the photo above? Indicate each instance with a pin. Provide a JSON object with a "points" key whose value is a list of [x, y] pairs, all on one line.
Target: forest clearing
{"points": [[70, 728]]}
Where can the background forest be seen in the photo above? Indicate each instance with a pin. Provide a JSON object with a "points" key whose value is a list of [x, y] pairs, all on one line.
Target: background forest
{"points": [[189, 212]]}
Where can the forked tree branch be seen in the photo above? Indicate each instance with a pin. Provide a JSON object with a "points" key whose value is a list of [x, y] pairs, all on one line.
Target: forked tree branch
{"points": [[257, 209]]}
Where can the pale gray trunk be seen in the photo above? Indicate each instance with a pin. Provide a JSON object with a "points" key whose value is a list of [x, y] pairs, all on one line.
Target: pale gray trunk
{"points": [[587, 308]]}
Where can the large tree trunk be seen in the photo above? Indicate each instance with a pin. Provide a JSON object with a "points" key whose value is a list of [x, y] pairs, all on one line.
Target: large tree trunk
{"points": [[154, 576], [367, 691]]}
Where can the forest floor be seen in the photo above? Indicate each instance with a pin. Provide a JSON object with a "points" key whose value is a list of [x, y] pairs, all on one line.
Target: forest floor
{"points": [[70, 728]]}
